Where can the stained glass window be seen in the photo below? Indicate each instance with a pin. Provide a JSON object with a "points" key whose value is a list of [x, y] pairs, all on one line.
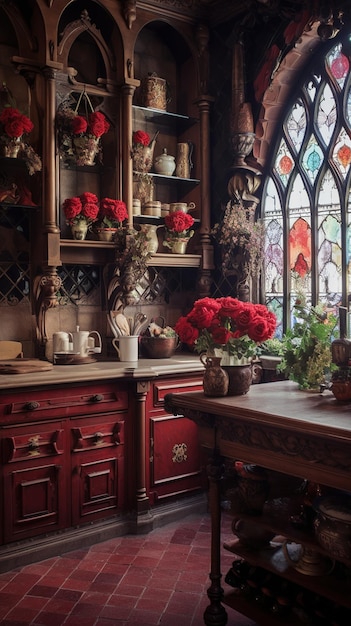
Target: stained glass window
{"points": [[306, 201]]}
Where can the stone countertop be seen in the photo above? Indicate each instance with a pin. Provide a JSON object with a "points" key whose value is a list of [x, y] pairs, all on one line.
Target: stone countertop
{"points": [[144, 369]]}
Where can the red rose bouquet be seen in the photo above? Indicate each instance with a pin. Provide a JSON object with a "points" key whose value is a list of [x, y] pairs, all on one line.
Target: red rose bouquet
{"points": [[227, 327], [112, 213], [178, 225], [96, 124], [14, 124], [81, 208]]}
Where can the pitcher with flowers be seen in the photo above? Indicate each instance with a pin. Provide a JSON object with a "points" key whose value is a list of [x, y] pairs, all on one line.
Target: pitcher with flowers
{"points": [[229, 330]]}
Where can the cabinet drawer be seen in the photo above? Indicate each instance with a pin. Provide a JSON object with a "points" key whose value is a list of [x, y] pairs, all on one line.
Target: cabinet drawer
{"points": [[98, 433], [32, 442], [65, 402], [162, 387]]}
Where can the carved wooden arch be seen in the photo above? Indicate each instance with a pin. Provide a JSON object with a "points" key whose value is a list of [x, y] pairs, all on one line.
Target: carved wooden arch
{"points": [[73, 30], [279, 91], [26, 42]]}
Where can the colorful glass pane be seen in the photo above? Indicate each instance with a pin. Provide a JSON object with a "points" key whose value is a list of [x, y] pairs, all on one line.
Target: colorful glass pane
{"points": [[312, 159], [326, 114], [342, 153], [284, 162], [329, 240], [296, 124], [348, 108], [338, 64]]}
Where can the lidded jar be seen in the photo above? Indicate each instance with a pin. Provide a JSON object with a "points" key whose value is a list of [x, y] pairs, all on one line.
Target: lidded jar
{"points": [[165, 164]]}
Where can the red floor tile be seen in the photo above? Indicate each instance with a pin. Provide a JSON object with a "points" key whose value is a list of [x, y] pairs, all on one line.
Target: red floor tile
{"points": [[159, 579]]}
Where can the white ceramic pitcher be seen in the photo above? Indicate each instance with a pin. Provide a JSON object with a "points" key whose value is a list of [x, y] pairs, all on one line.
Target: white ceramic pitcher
{"points": [[84, 342]]}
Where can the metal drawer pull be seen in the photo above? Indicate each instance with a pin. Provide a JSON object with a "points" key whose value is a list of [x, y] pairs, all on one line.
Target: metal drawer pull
{"points": [[98, 439], [98, 397], [31, 406], [34, 445]]}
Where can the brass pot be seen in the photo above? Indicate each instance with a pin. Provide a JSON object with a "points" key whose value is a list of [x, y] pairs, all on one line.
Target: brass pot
{"points": [[332, 525], [159, 347]]}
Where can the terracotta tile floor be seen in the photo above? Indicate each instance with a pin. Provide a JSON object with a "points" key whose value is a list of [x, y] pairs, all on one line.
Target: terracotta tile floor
{"points": [[139, 580]]}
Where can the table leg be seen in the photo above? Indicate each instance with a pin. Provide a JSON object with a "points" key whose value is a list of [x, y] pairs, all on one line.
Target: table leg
{"points": [[215, 614]]}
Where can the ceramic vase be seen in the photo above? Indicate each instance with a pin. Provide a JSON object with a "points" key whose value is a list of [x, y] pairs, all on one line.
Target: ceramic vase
{"points": [[240, 379], [106, 234], [79, 230], [150, 231], [215, 379], [177, 246], [12, 148]]}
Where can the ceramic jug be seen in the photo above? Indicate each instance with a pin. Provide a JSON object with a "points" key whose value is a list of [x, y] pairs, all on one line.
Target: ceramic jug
{"points": [[62, 342], [184, 159], [150, 231], [215, 379], [84, 343]]}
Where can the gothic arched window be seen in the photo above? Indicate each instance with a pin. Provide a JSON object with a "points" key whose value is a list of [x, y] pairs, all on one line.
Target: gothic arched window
{"points": [[306, 201]]}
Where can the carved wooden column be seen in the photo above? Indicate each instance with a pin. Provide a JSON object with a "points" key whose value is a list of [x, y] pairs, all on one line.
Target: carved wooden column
{"points": [[127, 173], [47, 285], [142, 500]]}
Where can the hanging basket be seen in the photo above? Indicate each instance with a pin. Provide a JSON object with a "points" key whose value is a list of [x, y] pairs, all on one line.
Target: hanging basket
{"points": [[85, 149]]}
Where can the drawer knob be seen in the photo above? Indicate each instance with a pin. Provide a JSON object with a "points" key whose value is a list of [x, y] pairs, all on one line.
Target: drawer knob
{"points": [[31, 406], [98, 397], [98, 438]]}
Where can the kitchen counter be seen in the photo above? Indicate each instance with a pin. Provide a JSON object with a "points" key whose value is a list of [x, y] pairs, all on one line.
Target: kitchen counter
{"points": [[104, 370]]}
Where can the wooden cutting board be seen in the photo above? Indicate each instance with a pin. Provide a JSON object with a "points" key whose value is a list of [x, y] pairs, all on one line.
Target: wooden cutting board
{"points": [[24, 366]]}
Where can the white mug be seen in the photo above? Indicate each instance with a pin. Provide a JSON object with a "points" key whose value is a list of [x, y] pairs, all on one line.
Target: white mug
{"points": [[126, 347], [62, 342]]}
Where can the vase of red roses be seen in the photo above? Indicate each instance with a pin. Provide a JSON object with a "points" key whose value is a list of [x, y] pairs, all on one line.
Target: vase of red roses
{"points": [[230, 329], [143, 151], [81, 212], [111, 216], [178, 231], [13, 126], [80, 134]]}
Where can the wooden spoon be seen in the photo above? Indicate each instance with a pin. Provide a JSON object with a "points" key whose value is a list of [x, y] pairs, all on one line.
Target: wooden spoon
{"points": [[122, 324]]}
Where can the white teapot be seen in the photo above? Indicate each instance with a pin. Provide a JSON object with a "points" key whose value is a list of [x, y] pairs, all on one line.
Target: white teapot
{"points": [[165, 164], [84, 342]]}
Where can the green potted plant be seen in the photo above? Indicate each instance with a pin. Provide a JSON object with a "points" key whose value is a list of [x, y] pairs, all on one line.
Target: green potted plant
{"points": [[307, 357]]}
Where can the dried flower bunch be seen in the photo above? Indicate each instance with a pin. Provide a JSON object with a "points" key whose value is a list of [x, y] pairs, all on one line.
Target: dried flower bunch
{"points": [[226, 324], [240, 235], [178, 225], [13, 125], [112, 213], [81, 208]]}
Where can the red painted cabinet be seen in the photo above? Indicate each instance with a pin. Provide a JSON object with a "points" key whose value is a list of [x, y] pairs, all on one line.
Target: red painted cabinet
{"points": [[61, 458], [173, 455]]}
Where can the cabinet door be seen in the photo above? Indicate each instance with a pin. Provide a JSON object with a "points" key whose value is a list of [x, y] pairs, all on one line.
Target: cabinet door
{"points": [[97, 448], [34, 479], [174, 455]]}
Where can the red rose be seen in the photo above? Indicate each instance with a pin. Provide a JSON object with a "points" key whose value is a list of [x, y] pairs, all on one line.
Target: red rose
{"points": [[72, 207], [27, 124], [90, 211], [221, 335], [79, 124], [9, 113], [139, 136], [244, 318], [98, 124], [186, 332], [87, 196], [202, 316], [259, 329], [14, 127]]}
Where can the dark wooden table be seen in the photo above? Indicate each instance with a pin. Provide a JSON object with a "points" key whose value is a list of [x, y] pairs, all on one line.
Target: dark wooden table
{"points": [[276, 426]]}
